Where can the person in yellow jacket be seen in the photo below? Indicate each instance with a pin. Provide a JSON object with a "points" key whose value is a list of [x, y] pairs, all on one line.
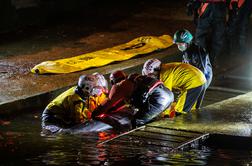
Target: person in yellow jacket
{"points": [[185, 78], [75, 105]]}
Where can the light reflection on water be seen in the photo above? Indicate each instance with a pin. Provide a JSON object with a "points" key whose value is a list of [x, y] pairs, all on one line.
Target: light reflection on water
{"points": [[21, 143]]}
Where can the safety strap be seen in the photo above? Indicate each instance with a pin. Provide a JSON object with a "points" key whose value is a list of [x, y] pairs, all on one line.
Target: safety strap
{"points": [[118, 101], [155, 85], [202, 8], [120, 108]]}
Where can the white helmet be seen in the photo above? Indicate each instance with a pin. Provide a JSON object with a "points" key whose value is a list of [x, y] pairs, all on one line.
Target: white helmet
{"points": [[89, 84], [101, 81], [150, 66]]}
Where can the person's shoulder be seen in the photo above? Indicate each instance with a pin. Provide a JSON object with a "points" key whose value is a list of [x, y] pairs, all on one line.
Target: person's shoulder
{"points": [[187, 66], [122, 84], [172, 63], [196, 47], [72, 90], [66, 93], [168, 67]]}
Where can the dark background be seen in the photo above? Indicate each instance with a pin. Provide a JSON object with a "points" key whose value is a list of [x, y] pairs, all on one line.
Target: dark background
{"points": [[16, 14]]}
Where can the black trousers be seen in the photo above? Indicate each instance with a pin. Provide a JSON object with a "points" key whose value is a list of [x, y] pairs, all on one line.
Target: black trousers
{"points": [[216, 27], [237, 28]]}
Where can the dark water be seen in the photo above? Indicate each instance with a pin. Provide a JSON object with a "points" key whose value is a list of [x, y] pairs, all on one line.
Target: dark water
{"points": [[22, 144]]}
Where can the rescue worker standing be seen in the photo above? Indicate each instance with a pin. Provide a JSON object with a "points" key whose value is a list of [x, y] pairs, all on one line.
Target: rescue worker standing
{"points": [[211, 16], [183, 77], [193, 53], [73, 106], [237, 25], [148, 95]]}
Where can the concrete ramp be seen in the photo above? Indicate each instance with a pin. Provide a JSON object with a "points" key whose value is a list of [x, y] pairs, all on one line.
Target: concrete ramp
{"points": [[155, 137], [230, 117], [225, 123]]}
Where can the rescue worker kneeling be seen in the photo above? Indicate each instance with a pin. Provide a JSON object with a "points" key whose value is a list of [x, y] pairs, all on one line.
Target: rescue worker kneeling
{"points": [[185, 78], [148, 95], [75, 105]]}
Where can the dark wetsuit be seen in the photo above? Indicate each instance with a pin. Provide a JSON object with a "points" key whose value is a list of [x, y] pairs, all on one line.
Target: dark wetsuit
{"points": [[198, 57], [211, 18], [237, 27]]}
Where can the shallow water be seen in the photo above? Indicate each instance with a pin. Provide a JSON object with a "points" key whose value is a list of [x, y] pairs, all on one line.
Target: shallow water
{"points": [[22, 144]]}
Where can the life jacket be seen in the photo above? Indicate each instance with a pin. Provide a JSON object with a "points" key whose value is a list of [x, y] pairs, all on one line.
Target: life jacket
{"points": [[144, 86], [119, 97], [90, 102]]}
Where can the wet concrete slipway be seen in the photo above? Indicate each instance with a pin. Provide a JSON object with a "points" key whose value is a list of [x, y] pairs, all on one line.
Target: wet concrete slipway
{"points": [[218, 134]]}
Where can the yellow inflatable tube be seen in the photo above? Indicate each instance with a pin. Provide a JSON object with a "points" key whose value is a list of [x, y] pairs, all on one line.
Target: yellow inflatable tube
{"points": [[141, 45]]}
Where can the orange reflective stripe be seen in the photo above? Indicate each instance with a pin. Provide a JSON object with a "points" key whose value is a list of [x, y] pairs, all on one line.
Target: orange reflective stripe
{"points": [[230, 4], [202, 8], [155, 85], [240, 3]]}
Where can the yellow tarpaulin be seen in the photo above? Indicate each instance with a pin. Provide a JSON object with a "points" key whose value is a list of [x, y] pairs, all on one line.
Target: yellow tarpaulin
{"points": [[141, 45]]}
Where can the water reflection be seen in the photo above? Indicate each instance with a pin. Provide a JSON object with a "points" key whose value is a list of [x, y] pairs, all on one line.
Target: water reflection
{"points": [[192, 157], [21, 140]]}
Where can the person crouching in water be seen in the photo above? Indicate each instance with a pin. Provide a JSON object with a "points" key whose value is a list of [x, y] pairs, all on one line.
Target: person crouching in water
{"points": [[148, 95], [185, 78], [75, 105]]}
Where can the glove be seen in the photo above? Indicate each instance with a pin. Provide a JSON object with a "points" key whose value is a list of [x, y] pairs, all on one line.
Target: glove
{"points": [[172, 114]]}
